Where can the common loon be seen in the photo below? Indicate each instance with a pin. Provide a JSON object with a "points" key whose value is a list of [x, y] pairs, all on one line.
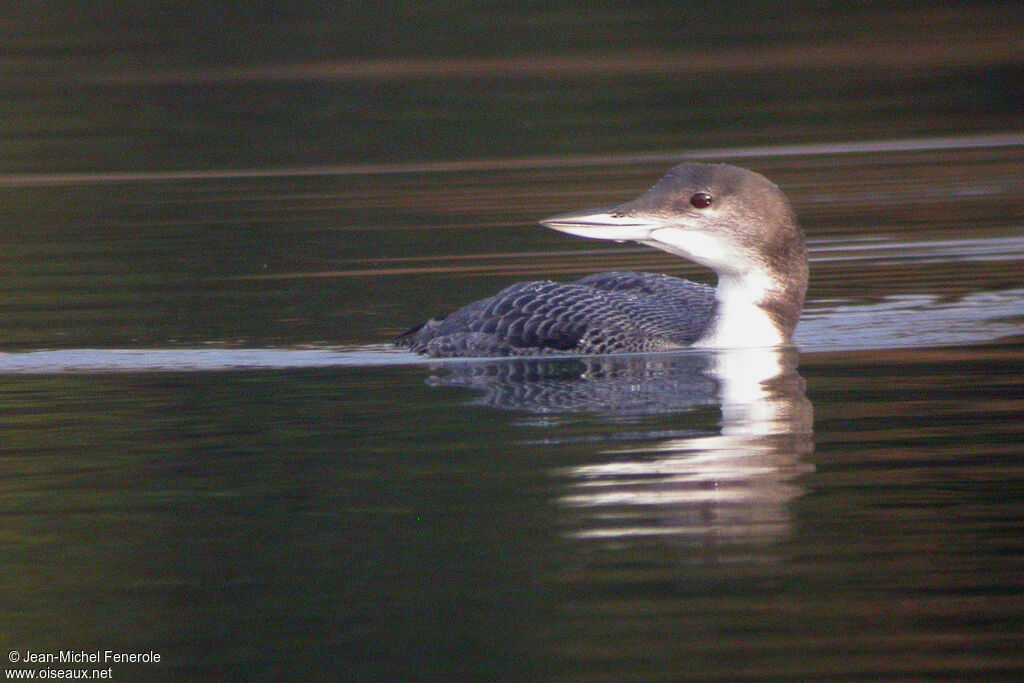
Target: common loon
{"points": [[727, 218]]}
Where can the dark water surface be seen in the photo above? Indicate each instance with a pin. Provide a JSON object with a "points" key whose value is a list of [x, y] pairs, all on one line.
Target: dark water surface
{"points": [[211, 228]]}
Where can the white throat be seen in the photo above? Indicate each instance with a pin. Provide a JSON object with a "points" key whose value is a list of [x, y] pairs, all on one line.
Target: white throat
{"points": [[739, 321]]}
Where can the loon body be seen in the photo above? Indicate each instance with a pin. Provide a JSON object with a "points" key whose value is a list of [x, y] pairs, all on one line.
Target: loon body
{"points": [[729, 219]]}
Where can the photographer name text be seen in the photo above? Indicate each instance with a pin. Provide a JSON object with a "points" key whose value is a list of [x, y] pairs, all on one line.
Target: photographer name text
{"points": [[84, 657]]}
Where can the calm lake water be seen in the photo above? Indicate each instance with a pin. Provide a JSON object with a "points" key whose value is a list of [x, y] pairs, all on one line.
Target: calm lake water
{"points": [[209, 450]]}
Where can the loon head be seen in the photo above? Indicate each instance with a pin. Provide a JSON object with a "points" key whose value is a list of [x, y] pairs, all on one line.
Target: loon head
{"points": [[726, 218]]}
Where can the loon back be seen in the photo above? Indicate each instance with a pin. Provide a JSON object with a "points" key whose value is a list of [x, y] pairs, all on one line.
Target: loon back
{"points": [[604, 313], [729, 219]]}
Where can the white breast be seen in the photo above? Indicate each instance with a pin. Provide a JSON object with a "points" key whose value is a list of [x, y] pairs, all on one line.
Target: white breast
{"points": [[739, 321]]}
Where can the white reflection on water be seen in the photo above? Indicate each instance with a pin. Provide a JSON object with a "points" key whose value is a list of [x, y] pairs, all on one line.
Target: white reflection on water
{"points": [[883, 251], [193, 360], [734, 484], [912, 321], [895, 322]]}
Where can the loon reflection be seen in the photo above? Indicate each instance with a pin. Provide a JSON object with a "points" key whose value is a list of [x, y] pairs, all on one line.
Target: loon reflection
{"points": [[720, 489], [666, 465]]}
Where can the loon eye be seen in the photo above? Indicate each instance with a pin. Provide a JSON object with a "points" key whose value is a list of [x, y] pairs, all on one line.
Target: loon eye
{"points": [[701, 200]]}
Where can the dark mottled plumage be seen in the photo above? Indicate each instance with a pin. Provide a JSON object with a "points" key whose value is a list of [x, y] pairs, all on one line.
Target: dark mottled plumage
{"points": [[603, 313]]}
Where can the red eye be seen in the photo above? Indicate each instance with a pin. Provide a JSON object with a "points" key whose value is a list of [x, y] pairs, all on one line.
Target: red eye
{"points": [[701, 200]]}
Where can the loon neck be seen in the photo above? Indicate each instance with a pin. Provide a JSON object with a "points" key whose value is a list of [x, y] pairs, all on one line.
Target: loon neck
{"points": [[751, 312]]}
